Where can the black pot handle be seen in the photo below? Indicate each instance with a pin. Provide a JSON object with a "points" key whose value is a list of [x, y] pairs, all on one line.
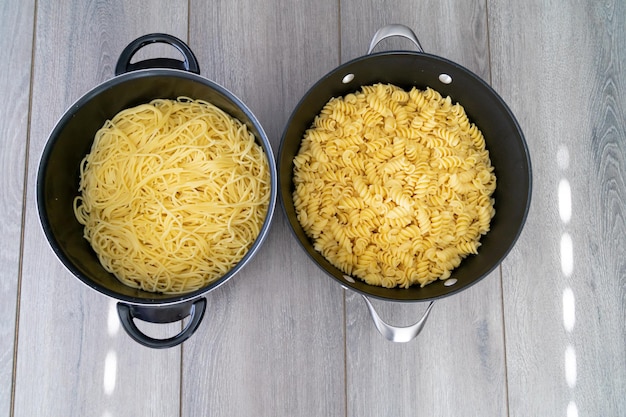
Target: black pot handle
{"points": [[167, 314], [189, 64]]}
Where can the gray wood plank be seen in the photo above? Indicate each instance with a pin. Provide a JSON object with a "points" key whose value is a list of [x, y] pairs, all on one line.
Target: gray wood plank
{"points": [[16, 40], [72, 357], [456, 365], [273, 342], [561, 68]]}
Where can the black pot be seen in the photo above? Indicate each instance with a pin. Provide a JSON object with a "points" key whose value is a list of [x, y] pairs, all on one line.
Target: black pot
{"points": [[59, 175], [504, 140]]}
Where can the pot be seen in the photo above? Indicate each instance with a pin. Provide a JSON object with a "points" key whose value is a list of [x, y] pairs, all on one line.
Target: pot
{"points": [[59, 175], [504, 140]]}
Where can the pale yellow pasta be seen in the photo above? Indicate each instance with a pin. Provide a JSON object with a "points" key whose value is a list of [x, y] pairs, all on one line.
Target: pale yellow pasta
{"points": [[173, 194], [394, 187]]}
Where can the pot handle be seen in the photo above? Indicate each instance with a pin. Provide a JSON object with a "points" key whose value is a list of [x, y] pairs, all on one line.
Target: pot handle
{"points": [[169, 314], [124, 65], [394, 30], [397, 334]]}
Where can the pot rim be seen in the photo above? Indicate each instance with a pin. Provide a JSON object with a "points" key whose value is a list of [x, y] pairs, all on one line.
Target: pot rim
{"points": [[166, 300]]}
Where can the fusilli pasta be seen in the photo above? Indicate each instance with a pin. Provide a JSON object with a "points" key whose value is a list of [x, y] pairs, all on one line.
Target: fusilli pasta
{"points": [[394, 187]]}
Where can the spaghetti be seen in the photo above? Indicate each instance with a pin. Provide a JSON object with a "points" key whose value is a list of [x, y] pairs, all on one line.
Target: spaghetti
{"points": [[173, 194]]}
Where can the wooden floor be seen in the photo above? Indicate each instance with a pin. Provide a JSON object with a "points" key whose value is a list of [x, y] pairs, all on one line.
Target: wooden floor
{"points": [[544, 335]]}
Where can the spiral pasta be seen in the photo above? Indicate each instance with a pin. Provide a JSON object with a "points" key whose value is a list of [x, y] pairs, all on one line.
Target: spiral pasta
{"points": [[394, 187], [173, 194]]}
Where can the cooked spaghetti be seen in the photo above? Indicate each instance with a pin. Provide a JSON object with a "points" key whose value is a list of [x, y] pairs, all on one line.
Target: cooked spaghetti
{"points": [[173, 194]]}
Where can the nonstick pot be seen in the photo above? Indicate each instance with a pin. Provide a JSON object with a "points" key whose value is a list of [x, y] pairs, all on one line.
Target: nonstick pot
{"points": [[504, 140], [59, 175]]}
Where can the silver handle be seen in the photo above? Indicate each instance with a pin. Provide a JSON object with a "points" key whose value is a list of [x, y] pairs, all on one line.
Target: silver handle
{"points": [[397, 334], [394, 30]]}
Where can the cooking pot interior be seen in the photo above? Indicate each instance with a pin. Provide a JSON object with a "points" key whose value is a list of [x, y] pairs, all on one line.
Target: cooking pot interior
{"points": [[503, 137], [71, 140]]}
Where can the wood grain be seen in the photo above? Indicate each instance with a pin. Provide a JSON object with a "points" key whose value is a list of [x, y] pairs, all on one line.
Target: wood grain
{"points": [[456, 365], [73, 359], [16, 40], [273, 345], [542, 336], [561, 69]]}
